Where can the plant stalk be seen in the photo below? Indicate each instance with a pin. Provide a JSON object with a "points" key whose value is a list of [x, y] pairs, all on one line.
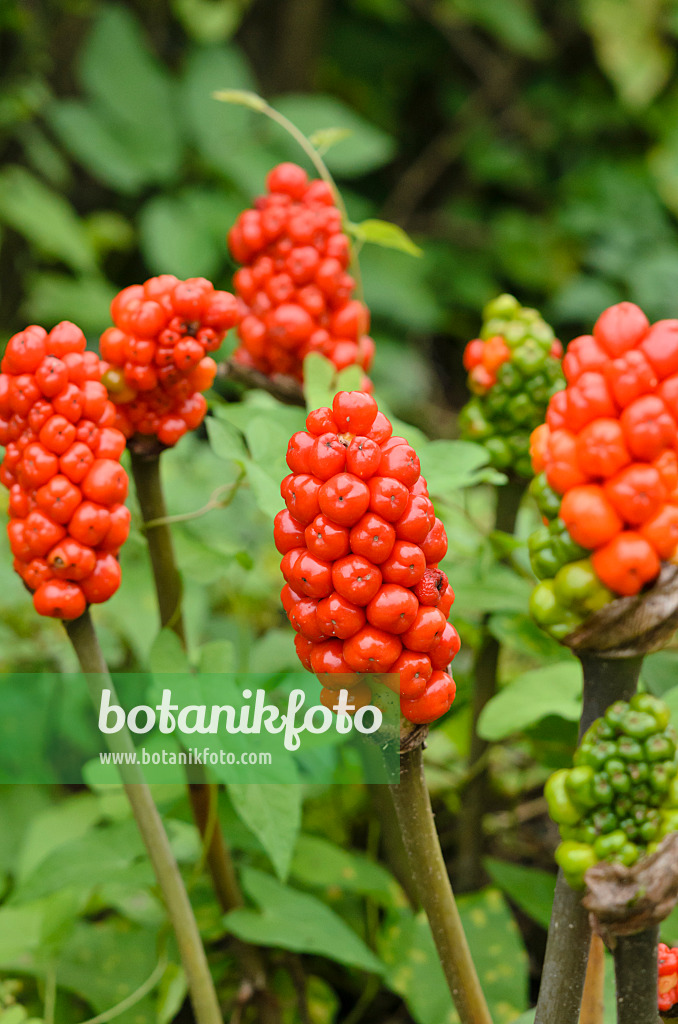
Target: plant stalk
{"points": [[593, 1004], [469, 868], [202, 793], [635, 968], [200, 985], [413, 807], [146, 473], [569, 938]]}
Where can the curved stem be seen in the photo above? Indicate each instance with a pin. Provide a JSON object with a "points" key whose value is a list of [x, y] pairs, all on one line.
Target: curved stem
{"points": [[255, 102], [567, 947], [202, 793], [200, 985], [635, 968], [413, 807]]}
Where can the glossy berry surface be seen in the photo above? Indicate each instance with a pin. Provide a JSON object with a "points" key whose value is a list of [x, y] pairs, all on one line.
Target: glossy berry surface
{"points": [[361, 592], [294, 289], [513, 371], [67, 488], [667, 987], [156, 357], [620, 798], [607, 467]]}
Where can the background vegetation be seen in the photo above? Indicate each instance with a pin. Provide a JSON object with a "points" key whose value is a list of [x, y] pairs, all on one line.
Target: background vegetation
{"points": [[526, 147]]}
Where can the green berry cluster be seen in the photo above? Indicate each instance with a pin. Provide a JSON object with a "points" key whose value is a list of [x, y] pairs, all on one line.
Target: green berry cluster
{"points": [[513, 370], [620, 798], [569, 590]]}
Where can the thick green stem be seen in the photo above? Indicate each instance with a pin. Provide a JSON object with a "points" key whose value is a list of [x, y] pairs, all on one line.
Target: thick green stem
{"points": [[392, 840], [635, 968], [413, 807], [146, 473], [567, 948], [469, 872], [198, 977]]}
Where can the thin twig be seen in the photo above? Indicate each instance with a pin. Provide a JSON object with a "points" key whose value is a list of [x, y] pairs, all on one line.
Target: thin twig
{"points": [[287, 390]]}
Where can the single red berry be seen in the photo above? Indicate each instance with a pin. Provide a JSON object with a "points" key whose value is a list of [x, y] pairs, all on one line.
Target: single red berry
{"points": [[326, 539], [356, 579], [393, 608]]}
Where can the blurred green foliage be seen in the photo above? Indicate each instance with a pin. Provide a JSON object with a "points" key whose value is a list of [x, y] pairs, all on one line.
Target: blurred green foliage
{"points": [[524, 146]]}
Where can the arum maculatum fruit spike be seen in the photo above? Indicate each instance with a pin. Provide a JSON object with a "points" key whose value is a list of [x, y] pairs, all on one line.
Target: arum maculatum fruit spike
{"points": [[294, 287], [620, 798], [62, 467], [607, 468], [513, 371], [156, 364], [667, 988], [361, 545]]}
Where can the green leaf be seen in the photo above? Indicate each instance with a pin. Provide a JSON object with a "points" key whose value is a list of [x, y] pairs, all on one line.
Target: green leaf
{"points": [[482, 589], [227, 442], [317, 862], [209, 21], [325, 138], [660, 671], [630, 47], [265, 488], [57, 825], [555, 690], [221, 131], [288, 919], [107, 961], [83, 863], [528, 887], [414, 971], [108, 155], [172, 992], [273, 813], [172, 240], [167, 653], [217, 656], [133, 89], [390, 236], [513, 22], [369, 148], [84, 300], [319, 374], [449, 466], [45, 218], [521, 633]]}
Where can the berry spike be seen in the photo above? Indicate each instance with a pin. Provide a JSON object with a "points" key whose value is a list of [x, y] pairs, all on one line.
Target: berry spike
{"points": [[513, 370], [62, 468], [360, 546], [156, 356], [294, 288], [667, 988], [607, 469]]}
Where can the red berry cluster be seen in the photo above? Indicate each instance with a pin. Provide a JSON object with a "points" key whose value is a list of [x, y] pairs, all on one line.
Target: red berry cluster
{"points": [[668, 977], [610, 446], [62, 467], [294, 286], [157, 367], [361, 544]]}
